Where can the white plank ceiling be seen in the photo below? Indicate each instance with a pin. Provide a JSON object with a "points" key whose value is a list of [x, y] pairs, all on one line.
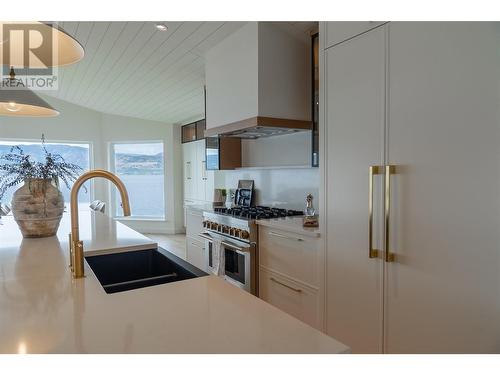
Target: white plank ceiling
{"points": [[133, 69]]}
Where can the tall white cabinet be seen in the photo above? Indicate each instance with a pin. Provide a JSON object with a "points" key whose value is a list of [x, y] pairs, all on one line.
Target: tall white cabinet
{"points": [[198, 182], [420, 103], [198, 190]]}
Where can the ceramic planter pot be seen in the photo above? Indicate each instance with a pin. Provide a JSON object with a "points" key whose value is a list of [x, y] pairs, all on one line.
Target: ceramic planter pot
{"points": [[37, 207]]}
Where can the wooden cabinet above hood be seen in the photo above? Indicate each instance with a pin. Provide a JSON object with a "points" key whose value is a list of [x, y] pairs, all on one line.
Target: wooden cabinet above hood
{"points": [[258, 83]]}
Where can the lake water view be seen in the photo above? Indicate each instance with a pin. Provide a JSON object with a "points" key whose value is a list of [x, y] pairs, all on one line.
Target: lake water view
{"points": [[146, 193]]}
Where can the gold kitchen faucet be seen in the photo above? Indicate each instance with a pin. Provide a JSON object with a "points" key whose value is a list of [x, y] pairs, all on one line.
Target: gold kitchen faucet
{"points": [[75, 245]]}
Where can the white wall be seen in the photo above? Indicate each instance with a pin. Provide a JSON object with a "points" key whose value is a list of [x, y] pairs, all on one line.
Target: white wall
{"points": [[76, 123], [283, 150], [286, 188]]}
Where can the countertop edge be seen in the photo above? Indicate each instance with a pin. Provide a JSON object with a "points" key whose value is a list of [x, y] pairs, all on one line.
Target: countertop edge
{"points": [[274, 223]]}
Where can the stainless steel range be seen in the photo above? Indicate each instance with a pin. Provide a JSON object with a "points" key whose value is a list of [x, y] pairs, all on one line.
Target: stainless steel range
{"points": [[234, 232]]}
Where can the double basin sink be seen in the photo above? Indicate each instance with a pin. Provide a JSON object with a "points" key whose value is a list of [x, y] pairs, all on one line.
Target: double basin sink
{"points": [[118, 272]]}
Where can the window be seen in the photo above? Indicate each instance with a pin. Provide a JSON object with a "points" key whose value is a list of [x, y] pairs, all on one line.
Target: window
{"points": [[76, 153], [140, 167]]}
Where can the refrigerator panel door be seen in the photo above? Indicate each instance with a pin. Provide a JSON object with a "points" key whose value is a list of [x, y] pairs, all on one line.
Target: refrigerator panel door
{"points": [[354, 131], [443, 288]]}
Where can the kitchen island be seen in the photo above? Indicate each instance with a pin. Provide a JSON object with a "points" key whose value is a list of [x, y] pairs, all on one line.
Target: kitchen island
{"points": [[44, 310]]}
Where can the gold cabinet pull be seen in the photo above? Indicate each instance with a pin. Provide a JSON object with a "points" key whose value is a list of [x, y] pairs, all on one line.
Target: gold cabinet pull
{"points": [[389, 170], [286, 286], [373, 170]]}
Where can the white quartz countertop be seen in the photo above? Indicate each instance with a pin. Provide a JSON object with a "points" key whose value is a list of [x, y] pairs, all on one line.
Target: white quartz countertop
{"points": [[200, 208], [44, 310], [291, 224]]}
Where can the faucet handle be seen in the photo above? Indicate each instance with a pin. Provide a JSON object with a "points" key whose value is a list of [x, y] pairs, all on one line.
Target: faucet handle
{"points": [[70, 237], [79, 270]]}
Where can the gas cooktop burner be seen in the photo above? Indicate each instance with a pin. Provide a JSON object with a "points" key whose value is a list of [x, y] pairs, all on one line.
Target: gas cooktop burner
{"points": [[258, 212]]}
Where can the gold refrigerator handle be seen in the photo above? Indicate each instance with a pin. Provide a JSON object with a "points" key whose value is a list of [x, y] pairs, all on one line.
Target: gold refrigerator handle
{"points": [[373, 170], [389, 170]]}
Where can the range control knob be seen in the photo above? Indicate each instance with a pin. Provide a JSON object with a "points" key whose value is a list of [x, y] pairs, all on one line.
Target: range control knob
{"points": [[206, 224], [244, 234]]}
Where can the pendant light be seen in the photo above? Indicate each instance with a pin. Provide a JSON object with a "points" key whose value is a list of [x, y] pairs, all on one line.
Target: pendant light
{"points": [[68, 49], [23, 102]]}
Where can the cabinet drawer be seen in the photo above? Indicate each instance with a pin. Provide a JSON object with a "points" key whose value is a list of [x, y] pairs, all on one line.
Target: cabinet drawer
{"points": [[291, 254], [195, 253], [292, 297], [194, 223], [337, 32]]}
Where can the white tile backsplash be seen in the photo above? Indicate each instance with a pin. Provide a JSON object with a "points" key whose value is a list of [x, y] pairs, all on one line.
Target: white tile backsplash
{"points": [[281, 187]]}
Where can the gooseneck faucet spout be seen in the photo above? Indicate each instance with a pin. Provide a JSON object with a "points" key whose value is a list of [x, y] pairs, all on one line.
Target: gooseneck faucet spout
{"points": [[76, 246]]}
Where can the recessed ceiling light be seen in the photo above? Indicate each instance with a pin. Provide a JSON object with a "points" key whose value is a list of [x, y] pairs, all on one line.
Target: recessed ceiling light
{"points": [[161, 27]]}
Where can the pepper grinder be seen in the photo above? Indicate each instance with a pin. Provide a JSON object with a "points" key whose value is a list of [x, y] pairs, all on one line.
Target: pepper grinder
{"points": [[310, 219], [309, 211]]}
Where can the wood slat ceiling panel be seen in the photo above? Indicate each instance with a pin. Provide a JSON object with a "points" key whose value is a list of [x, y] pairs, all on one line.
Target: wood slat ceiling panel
{"points": [[133, 69]]}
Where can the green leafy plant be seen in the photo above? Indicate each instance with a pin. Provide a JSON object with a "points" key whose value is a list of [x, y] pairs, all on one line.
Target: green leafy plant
{"points": [[16, 167]]}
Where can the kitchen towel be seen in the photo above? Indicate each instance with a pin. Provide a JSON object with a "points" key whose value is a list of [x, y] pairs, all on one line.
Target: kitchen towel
{"points": [[218, 258]]}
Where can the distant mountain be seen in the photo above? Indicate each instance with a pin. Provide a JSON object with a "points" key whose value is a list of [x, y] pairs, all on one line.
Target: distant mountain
{"points": [[130, 164], [71, 154], [139, 164]]}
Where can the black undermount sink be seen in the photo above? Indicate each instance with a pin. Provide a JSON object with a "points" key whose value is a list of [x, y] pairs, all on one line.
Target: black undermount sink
{"points": [[119, 272]]}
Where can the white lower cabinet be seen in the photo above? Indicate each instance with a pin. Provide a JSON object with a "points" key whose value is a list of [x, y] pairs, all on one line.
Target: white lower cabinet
{"points": [[290, 274], [295, 298], [195, 246], [194, 223], [291, 254], [195, 253]]}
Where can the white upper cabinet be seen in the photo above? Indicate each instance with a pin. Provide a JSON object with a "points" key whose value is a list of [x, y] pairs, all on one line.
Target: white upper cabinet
{"points": [[259, 70], [337, 32], [189, 170], [204, 178]]}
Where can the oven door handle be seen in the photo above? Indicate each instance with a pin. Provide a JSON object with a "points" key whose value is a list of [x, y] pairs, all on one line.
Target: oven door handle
{"points": [[237, 249], [206, 236]]}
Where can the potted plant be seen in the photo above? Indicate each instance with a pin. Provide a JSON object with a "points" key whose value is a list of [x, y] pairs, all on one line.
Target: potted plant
{"points": [[38, 205]]}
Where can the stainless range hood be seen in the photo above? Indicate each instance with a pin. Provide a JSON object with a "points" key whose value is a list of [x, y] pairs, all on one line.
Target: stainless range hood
{"points": [[259, 127]]}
